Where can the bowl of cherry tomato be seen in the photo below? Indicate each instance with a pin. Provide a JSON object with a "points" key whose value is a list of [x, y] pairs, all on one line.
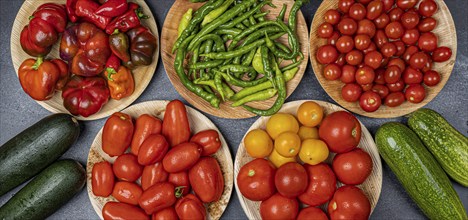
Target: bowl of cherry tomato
{"points": [[307, 162], [383, 58]]}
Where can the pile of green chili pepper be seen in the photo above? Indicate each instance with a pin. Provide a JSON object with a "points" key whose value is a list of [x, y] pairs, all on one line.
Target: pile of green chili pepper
{"points": [[231, 43]]}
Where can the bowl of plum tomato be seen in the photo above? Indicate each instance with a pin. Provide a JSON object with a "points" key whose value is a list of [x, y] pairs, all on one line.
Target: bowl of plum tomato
{"points": [[383, 58]]}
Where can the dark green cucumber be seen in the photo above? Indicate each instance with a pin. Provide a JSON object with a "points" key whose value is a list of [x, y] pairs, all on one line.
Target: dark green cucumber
{"points": [[47, 192], [448, 146], [419, 173], [35, 148]]}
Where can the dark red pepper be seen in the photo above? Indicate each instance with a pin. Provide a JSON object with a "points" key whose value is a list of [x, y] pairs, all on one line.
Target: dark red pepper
{"points": [[71, 5], [113, 8], [112, 65], [86, 9], [127, 21], [85, 95]]}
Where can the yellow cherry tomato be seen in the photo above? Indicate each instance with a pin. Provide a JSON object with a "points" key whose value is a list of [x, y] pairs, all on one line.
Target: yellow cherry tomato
{"points": [[258, 143], [308, 133], [281, 122], [288, 144], [313, 151], [279, 160], [310, 114]]}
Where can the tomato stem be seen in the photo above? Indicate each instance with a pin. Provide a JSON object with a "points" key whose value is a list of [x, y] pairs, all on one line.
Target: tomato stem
{"points": [[179, 191], [251, 173]]}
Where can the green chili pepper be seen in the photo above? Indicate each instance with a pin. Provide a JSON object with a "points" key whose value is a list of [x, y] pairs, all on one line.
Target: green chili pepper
{"points": [[228, 92], [266, 64], [230, 31], [282, 13], [257, 62], [261, 33], [252, 20], [236, 68], [216, 13], [250, 30], [184, 22], [193, 61], [218, 83], [292, 65], [263, 14], [275, 51], [247, 61], [246, 22], [289, 74], [260, 96], [241, 26], [205, 64], [292, 14], [282, 47], [240, 83], [293, 40], [244, 16]]}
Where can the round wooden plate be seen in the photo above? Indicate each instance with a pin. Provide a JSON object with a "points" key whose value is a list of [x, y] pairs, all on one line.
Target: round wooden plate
{"points": [[371, 186], [446, 33], [198, 122], [142, 75], [169, 36]]}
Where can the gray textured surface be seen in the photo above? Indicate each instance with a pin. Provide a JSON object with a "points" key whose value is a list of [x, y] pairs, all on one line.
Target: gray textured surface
{"points": [[18, 111]]}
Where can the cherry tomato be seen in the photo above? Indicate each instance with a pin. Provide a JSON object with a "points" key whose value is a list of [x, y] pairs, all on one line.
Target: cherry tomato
{"points": [[310, 114], [410, 37], [175, 125], [278, 207], [392, 74], [441, 54], [325, 30], [327, 54], [412, 76], [374, 9], [427, 24], [334, 38], [380, 76], [341, 131], [145, 125], [165, 214], [281, 122], [372, 47], [367, 87], [258, 143], [190, 207], [127, 192], [288, 144], [348, 74], [352, 168], [388, 50], [409, 52], [415, 93], [380, 38], [406, 4], [364, 2], [410, 20], [291, 180], [427, 8], [341, 60], [332, 71], [427, 42], [322, 185], [396, 87], [362, 41], [351, 92], [208, 140], [373, 59], [382, 21], [395, 14], [428, 65], [118, 210], [370, 101], [394, 30], [181, 181], [347, 26], [340, 206], [419, 60], [153, 149], [345, 44], [382, 90], [157, 197], [354, 57], [207, 179], [332, 16], [102, 179], [153, 174], [312, 213], [395, 99], [344, 5], [181, 157], [365, 75], [126, 167], [357, 11], [367, 27], [431, 78], [117, 134], [256, 180]]}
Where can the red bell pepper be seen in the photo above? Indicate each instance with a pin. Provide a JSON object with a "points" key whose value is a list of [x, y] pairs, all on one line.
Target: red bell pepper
{"points": [[85, 95], [38, 78], [86, 9], [71, 5], [113, 8], [127, 21], [64, 73]]}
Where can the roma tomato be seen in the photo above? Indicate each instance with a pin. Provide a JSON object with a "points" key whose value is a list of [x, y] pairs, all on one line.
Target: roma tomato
{"points": [[256, 180], [118, 210], [102, 179], [181, 157], [153, 149], [127, 192], [181, 181], [312, 213], [117, 134], [208, 140], [340, 206], [165, 214], [145, 125], [341, 131], [175, 125], [395, 99], [157, 197], [126, 167], [291, 180], [441, 54], [352, 168], [207, 179], [190, 207], [322, 185], [153, 174], [279, 207]]}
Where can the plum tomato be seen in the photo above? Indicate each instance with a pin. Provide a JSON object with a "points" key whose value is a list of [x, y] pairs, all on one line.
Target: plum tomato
{"points": [[406, 4], [119, 210], [208, 140], [395, 14], [388, 4], [365, 75], [352, 168], [441, 54], [388, 50], [354, 57], [415, 93], [322, 185], [281, 122], [412, 76], [344, 5], [158, 197], [357, 11], [394, 30], [153, 174], [341, 131], [291, 180], [392, 74], [310, 114], [374, 9], [313, 151], [325, 30], [427, 8], [382, 21], [327, 54], [339, 207], [345, 44], [410, 20], [351, 92], [428, 42], [367, 27], [409, 52], [382, 90], [332, 16], [190, 207], [312, 213], [348, 73], [380, 38], [102, 179], [256, 180], [379, 76], [127, 168], [181, 181], [373, 59], [181, 157], [410, 37], [395, 99], [419, 60], [206, 179], [127, 192], [258, 143], [347, 26], [278, 207], [165, 214], [427, 24], [332, 71], [400, 47], [396, 87], [370, 101], [152, 150], [362, 41], [431, 78]]}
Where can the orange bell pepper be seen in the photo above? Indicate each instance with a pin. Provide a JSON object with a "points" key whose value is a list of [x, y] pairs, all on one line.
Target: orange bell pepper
{"points": [[121, 83], [39, 78]]}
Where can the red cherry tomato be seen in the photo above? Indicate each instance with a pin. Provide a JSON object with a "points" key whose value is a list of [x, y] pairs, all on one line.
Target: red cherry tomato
{"points": [[410, 37], [357, 11], [153, 149], [427, 24], [279, 207], [412, 76], [208, 140], [190, 207], [406, 4], [373, 59], [394, 30], [395, 99], [340, 208], [380, 76], [153, 174], [291, 180], [380, 38], [388, 4], [382, 21], [127, 168], [389, 49], [395, 14], [341, 131], [332, 71], [345, 44], [181, 181], [441, 54], [382, 90], [322, 185], [409, 52], [367, 27], [325, 30], [157, 197], [312, 213], [428, 42], [354, 57], [102, 179], [362, 41], [332, 16], [256, 180], [400, 46], [341, 60], [365, 75], [165, 214], [181, 157], [352, 168], [392, 74], [396, 87], [347, 26], [118, 210], [410, 20], [344, 5], [367, 87], [127, 192], [415, 93], [431, 78], [334, 38], [348, 73], [351, 92], [419, 60], [374, 9], [327, 54], [370, 101], [427, 8]]}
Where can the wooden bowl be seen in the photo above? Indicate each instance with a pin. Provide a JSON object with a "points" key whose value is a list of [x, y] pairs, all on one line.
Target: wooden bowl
{"points": [[142, 75], [446, 33], [198, 122], [169, 36], [371, 187]]}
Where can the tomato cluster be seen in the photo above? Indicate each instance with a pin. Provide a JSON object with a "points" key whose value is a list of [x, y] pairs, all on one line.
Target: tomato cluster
{"points": [[168, 161], [383, 50], [295, 171]]}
